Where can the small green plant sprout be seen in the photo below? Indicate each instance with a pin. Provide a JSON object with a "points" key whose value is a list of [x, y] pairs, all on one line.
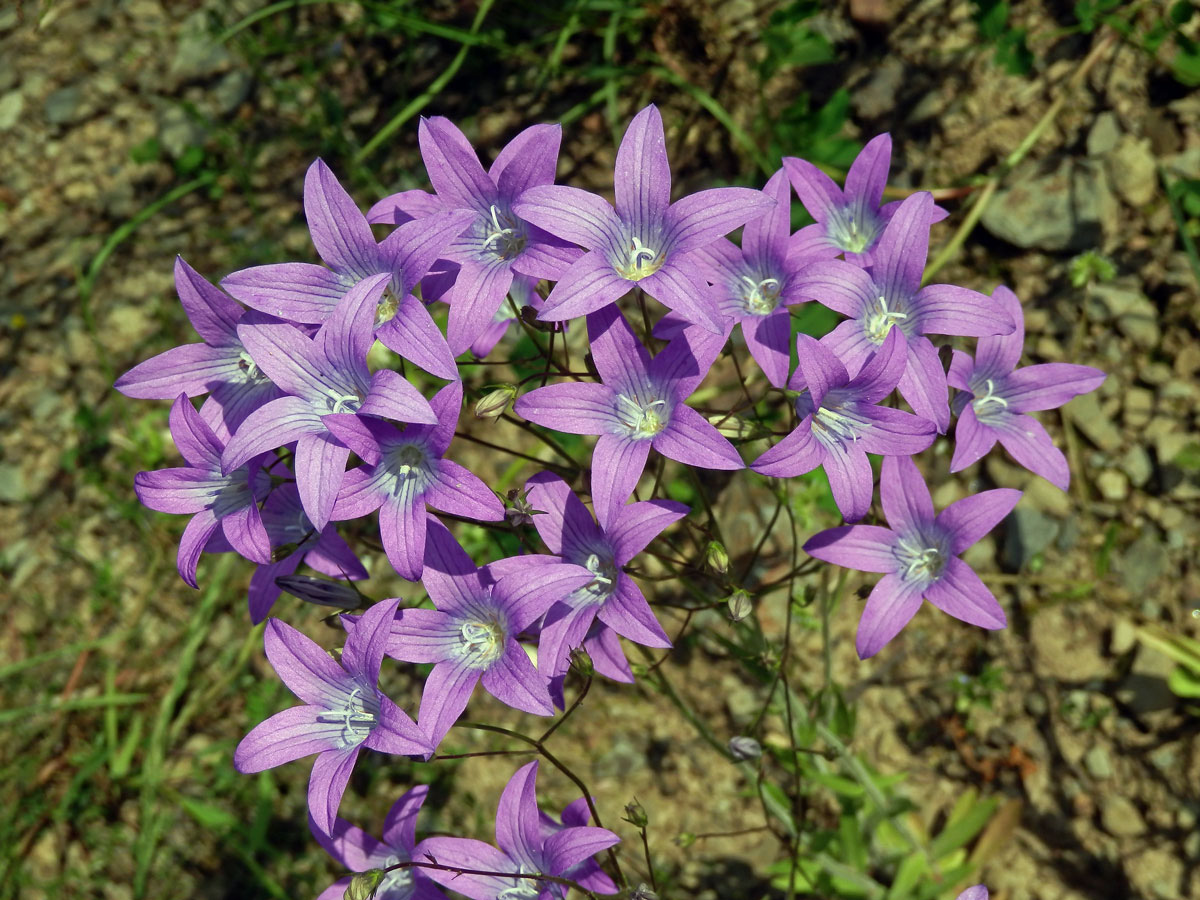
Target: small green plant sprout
{"points": [[1090, 267], [1184, 680]]}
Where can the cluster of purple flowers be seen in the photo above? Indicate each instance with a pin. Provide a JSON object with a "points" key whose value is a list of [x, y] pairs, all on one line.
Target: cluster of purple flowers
{"points": [[291, 400]]}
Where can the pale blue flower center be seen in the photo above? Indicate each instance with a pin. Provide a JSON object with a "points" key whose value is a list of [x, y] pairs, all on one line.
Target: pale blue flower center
{"points": [[759, 298], [231, 493], [251, 373], [852, 228], [921, 559], [603, 583], [838, 424], [342, 403], [879, 320], [988, 404], [523, 888], [502, 234], [358, 715], [482, 636], [642, 418], [397, 884], [408, 464], [637, 260]]}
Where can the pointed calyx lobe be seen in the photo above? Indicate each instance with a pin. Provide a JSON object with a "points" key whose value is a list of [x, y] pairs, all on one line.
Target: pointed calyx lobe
{"points": [[646, 241], [917, 554]]}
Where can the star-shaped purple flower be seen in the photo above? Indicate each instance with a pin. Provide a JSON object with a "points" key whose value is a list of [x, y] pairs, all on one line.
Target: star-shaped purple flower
{"points": [[648, 241], [757, 283], [840, 422], [360, 852], [890, 294], [639, 405], [588, 873], [524, 850], [996, 395], [343, 710], [848, 221], [612, 598], [325, 374], [405, 470], [472, 634], [216, 499], [497, 244], [918, 555], [308, 293], [220, 364], [296, 541]]}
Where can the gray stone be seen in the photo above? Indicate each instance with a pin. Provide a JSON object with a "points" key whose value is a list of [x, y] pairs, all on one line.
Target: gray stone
{"points": [[1124, 638], [1104, 134], [197, 55], [11, 106], [1087, 416], [1098, 763], [1029, 533], [620, 759], [177, 132], [1139, 407], [1135, 314], [12, 483], [1062, 210], [1137, 465], [1156, 373], [232, 90], [878, 95], [1119, 816], [1142, 562], [64, 105], [1133, 170], [1113, 485]]}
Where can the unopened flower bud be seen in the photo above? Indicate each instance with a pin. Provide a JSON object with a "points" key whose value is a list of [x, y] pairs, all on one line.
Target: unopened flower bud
{"points": [[717, 557], [642, 892], [744, 749], [337, 594], [496, 402], [733, 427], [363, 885], [635, 815], [740, 605], [581, 662], [685, 839]]}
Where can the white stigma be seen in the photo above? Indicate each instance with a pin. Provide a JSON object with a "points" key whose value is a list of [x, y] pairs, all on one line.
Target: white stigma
{"points": [[507, 239], [840, 425], [879, 322], [761, 297], [642, 420], [921, 563], [356, 720], [989, 403], [640, 261], [482, 642]]}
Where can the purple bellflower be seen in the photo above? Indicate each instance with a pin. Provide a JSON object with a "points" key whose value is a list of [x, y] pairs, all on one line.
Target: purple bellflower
{"points": [[848, 221], [524, 849], [472, 634], [588, 873], [497, 244], [976, 892], [918, 555], [324, 375], [404, 471], [343, 711], [308, 293], [840, 422], [757, 283], [360, 852], [296, 541], [612, 597], [996, 396], [639, 405], [216, 499], [220, 364], [648, 241], [889, 294]]}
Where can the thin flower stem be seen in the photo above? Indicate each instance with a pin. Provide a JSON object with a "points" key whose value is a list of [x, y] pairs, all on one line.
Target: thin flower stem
{"points": [[763, 540], [558, 764], [649, 865], [544, 438], [509, 450], [442, 756], [566, 715]]}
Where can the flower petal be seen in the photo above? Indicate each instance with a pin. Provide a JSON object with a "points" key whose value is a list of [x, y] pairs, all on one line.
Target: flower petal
{"points": [[513, 680], [850, 479], [571, 213], [642, 177], [339, 229], [330, 775], [192, 369], [413, 334], [1049, 386], [959, 592], [967, 520], [691, 439], [1030, 445], [571, 407], [284, 737], [797, 453], [299, 292], [617, 464], [588, 285], [867, 548], [447, 691], [904, 494], [890, 606]]}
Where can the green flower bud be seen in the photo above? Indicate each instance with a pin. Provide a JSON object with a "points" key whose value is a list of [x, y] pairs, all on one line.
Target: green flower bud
{"points": [[717, 557], [740, 605], [364, 885], [495, 402], [635, 815]]}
